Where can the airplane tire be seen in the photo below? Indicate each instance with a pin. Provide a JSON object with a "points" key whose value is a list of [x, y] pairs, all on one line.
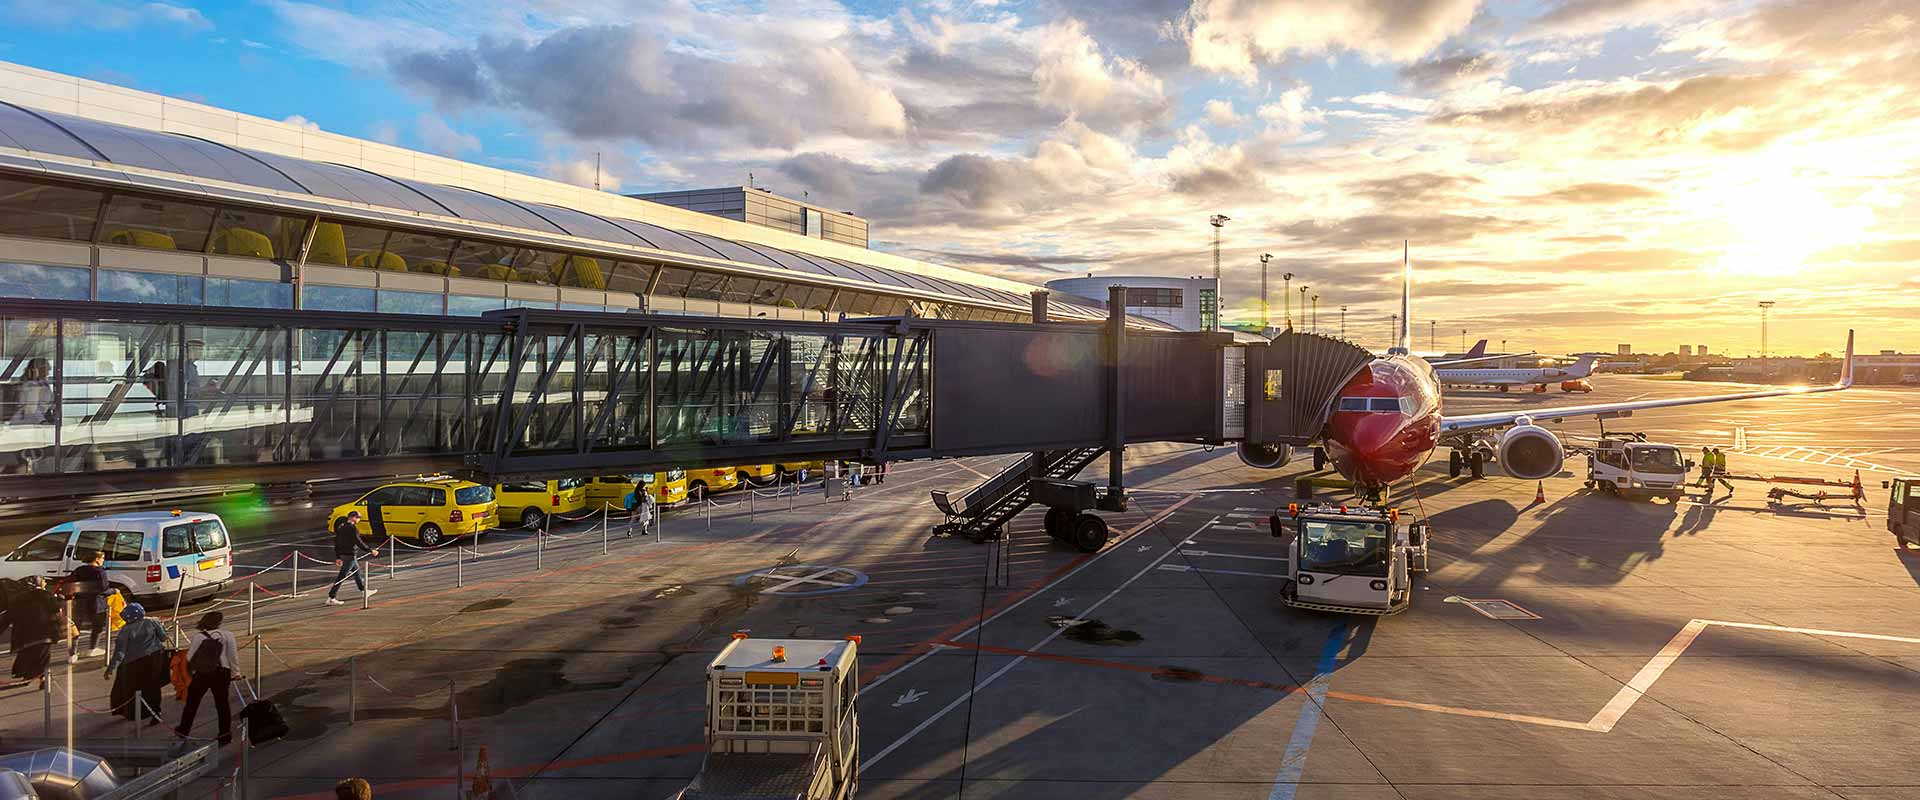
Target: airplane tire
{"points": [[1319, 459], [1089, 533], [1503, 390], [1479, 466], [1059, 521], [1453, 463]]}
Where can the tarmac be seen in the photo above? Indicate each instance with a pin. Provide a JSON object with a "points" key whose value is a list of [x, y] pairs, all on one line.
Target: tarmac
{"points": [[1723, 649]]}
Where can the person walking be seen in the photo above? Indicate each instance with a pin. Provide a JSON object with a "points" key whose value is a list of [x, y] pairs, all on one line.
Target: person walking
{"points": [[138, 666], [645, 507], [212, 656], [347, 548], [89, 581], [1720, 469], [1706, 468], [34, 618]]}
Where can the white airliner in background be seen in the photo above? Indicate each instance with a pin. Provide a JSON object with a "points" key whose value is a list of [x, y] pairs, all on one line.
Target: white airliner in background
{"points": [[1571, 378]]}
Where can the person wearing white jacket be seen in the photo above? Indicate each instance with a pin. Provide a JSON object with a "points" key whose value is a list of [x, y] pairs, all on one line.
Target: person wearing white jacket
{"points": [[211, 656]]}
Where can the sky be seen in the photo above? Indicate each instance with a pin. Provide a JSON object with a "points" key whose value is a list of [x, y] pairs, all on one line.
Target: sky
{"points": [[1571, 174]]}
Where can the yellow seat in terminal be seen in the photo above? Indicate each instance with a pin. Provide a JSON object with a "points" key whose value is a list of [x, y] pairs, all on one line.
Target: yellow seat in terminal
{"points": [[329, 245], [243, 242], [139, 238], [585, 273], [388, 261], [500, 272], [438, 268]]}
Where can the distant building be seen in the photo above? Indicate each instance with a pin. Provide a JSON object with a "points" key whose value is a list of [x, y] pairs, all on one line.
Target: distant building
{"points": [[761, 207], [1190, 304], [1686, 351], [1625, 349], [1700, 350]]}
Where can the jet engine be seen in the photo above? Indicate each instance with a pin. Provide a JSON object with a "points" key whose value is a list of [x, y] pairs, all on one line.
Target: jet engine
{"points": [[1264, 456], [1530, 452]]}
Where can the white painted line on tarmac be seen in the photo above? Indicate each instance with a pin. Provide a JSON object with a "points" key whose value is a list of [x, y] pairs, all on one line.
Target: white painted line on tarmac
{"points": [[1205, 553], [997, 674], [1185, 568], [1294, 761]]}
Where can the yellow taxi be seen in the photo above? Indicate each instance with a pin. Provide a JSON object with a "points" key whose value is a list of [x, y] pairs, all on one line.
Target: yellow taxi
{"points": [[668, 488], [427, 510], [617, 491], [702, 482], [797, 471], [759, 474], [529, 503]]}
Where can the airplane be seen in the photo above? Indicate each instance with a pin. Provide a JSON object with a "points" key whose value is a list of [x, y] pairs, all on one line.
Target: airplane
{"points": [[1505, 379], [1388, 419]]}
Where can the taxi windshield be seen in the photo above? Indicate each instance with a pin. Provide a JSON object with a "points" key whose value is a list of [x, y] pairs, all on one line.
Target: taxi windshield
{"points": [[1347, 548], [1656, 459]]}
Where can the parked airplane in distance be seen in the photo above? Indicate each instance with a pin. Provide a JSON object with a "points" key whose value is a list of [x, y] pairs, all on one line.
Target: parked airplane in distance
{"points": [[1571, 379]]}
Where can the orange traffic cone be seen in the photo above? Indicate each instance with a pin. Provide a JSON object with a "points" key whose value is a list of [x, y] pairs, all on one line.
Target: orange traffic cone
{"points": [[1540, 492], [1859, 492], [482, 785]]}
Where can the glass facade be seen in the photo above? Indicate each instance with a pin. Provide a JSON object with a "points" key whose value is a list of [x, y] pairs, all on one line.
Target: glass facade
{"points": [[45, 283], [120, 286], [470, 306], [392, 302], [48, 211], [249, 294], [337, 298]]}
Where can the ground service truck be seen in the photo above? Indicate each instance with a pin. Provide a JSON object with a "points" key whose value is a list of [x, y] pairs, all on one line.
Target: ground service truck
{"points": [[1351, 559], [781, 723], [1627, 465]]}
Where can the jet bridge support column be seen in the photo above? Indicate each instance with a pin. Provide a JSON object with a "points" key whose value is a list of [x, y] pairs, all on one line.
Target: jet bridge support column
{"points": [[1116, 499], [1040, 306]]}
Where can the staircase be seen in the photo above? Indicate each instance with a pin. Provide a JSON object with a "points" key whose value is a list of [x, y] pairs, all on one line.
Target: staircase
{"points": [[981, 511]]}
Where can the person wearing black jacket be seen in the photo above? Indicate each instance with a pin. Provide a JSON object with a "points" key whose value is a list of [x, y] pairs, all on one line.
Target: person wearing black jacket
{"points": [[34, 617], [347, 548], [89, 601]]}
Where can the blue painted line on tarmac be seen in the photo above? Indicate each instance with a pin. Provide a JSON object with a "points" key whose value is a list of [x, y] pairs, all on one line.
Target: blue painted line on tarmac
{"points": [[1294, 762]]}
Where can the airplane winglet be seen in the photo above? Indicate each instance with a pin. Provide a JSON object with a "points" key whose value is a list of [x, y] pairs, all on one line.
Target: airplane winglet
{"points": [[1846, 367]]}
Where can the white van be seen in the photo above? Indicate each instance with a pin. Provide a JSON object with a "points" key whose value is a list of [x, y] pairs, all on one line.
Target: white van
{"points": [[150, 554]]}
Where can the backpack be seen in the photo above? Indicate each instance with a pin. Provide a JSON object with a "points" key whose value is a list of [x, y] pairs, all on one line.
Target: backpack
{"points": [[206, 657]]}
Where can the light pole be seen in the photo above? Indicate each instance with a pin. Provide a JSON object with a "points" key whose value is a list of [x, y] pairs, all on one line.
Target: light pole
{"points": [[1433, 334], [1343, 322], [1463, 340], [1266, 316], [1316, 313], [1303, 302], [1219, 299], [1765, 306], [1286, 297]]}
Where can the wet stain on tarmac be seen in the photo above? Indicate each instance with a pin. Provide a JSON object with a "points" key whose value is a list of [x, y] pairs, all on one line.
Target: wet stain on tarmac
{"points": [[488, 605], [1093, 631], [1177, 674]]}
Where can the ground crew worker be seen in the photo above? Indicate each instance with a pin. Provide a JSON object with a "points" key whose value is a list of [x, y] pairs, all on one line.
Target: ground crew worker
{"points": [[1706, 466], [1720, 470]]}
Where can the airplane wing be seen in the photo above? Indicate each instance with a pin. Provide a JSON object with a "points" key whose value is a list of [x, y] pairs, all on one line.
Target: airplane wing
{"points": [[1501, 419]]}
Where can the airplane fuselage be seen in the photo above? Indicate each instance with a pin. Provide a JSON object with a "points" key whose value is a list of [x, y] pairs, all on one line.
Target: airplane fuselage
{"points": [[1385, 422]]}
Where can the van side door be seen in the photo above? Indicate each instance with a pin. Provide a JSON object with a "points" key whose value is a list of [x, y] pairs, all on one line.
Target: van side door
{"points": [[44, 555]]}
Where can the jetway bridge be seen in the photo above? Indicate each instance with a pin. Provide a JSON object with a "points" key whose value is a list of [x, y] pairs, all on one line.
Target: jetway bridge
{"points": [[104, 397]]}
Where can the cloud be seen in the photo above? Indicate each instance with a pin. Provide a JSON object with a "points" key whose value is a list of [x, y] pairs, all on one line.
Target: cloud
{"points": [[1454, 71], [1074, 76], [1381, 230], [1232, 37], [441, 139], [1222, 113], [1894, 251], [1290, 116], [1718, 112], [1415, 188], [1595, 193], [582, 172], [1579, 18], [301, 122], [104, 14], [1833, 30]]}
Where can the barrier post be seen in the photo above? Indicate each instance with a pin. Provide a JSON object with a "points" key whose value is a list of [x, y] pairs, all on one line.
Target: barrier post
{"points": [[606, 517], [353, 688], [393, 557], [539, 550], [791, 495], [709, 512], [459, 745], [259, 680], [249, 608], [296, 572], [459, 567], [750, 495], [365, 601], [46, 703]]}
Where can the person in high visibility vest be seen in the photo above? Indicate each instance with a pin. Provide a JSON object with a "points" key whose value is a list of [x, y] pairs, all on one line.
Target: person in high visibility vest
{"points": [[1706, 466], [1720, 470]]}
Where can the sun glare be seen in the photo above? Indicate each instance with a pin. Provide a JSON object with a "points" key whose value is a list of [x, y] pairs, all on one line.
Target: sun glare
{"points": [[1775, 222]]}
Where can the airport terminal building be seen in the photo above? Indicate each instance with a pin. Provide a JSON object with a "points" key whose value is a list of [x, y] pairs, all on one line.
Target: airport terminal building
{"points": [[117, 195]]}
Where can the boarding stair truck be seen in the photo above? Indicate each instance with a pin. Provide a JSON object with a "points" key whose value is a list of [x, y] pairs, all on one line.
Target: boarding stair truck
{"points": [[1627, 465], [1903, 512], [1351, 559], [781, 721]]}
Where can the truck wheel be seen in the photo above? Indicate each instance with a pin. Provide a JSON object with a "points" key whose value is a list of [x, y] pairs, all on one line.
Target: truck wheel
{"points": [[1479, 466], [430, 535], [1453, 463], [1089, 533], [1059, 521], [697, 490]]}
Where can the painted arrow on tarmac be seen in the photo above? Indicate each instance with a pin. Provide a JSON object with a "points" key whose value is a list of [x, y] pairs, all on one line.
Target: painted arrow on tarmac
{"points": [[909, 697], [1062, 601]]}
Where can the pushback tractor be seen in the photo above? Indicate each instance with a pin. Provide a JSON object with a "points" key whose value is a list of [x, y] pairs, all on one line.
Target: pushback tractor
{"points": [[781, 721], [1351, 559]]}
